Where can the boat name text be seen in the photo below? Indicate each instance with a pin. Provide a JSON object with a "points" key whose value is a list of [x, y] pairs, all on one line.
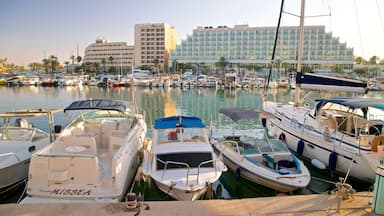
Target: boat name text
{"points": [[71, 192]]}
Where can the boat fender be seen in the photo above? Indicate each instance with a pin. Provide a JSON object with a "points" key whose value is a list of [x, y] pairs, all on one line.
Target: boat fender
{"points": [[327, 134], [264, 122], [300, 147], [332, 161], [318, 164], [238, 170]]}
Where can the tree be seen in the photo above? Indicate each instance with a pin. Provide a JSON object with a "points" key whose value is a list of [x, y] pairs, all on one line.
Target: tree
{"points": [[104, 62], [66, 66], [36, 66], [156, 63], [79, 58], [374, 60], [110, 59], [73, 59], [361, 71], [222, 64], [53, 61], [46, 65], [338, 69]]}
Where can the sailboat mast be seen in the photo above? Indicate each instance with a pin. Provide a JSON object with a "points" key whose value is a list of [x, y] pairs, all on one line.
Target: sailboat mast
{"points": [[300, 52]]}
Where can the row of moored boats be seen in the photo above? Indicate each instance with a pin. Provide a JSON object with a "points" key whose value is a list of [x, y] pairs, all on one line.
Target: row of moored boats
{"points": [[96, 156]]}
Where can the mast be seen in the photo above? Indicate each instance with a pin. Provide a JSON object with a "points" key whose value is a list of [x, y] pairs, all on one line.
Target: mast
{"points": [[300, 52]]}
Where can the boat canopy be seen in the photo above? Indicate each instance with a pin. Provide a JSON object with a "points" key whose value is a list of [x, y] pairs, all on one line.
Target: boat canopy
{"points": [[98, 104], [237, 114], [29, 113], [353, 103], [179, 121]]}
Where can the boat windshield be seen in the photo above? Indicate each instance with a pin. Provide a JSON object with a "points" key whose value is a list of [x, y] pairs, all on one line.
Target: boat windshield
{"points": [[21, 134], [180, 134], [183, 160], [252, 145]]}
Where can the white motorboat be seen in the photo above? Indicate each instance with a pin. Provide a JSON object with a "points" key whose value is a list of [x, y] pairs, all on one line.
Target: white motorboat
{"points": [[95, 157], [18, 140], [181, 160], [255, 156]]}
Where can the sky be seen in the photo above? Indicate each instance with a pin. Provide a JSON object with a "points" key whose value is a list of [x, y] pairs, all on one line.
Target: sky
{"points": [[31, 30]]}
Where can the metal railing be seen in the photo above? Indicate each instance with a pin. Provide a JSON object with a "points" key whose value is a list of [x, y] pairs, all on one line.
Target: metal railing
{"points": [[188, 168]]}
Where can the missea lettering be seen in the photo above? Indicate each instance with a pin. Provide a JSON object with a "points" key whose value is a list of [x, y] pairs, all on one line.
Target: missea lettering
{"points": [[71, 192]]}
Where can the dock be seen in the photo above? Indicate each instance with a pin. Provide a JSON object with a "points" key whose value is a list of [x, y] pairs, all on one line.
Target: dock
{"points": [[314, 204]]}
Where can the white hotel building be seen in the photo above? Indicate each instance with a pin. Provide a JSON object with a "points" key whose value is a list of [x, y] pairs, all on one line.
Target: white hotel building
{"points": [[121, 53]]}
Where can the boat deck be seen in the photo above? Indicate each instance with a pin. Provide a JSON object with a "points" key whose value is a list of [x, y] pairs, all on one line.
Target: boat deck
{"points": [[315, 204]]}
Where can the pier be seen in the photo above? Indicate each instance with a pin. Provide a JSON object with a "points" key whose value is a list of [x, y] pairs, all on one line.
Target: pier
{"points": [[315, 204]]}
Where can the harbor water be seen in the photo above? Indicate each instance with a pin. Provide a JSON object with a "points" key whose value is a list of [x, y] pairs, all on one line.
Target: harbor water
{"points": [[157, 103]]}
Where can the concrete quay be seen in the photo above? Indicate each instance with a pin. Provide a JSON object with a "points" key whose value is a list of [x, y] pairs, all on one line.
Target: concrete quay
{"points": [[314, 204]]}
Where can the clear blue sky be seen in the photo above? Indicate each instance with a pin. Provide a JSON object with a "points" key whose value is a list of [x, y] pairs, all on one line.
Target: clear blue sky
{"points": [[32, 28]]}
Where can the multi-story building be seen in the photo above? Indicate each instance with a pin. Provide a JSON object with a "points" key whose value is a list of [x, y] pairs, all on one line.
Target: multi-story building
{"points": [[154, 41], [244, 44], [110, 54]]}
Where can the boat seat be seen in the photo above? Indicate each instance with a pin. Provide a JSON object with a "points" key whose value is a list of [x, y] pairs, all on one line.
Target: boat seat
{"points": [[116, 140], [172, 135], [270, 161], [83, 144]]}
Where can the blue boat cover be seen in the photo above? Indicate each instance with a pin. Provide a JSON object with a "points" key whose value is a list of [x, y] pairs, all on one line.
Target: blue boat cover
{"points": [[353, 103], [179, 121], [98, 104]]}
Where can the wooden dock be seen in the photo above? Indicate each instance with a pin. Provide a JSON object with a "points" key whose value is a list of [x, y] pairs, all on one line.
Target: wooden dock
{"points": [[315, 204]]}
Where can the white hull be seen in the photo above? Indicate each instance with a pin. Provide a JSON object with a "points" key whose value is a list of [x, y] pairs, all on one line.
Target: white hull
{"points": [[94, 159], [13, 174], [292, 129], [181, 194]]}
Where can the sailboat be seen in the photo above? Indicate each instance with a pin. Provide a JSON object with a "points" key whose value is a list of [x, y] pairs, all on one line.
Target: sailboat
{"points": [[343, 135]]}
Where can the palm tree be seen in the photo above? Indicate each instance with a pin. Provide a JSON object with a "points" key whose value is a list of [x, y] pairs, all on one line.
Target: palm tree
{"points": [[111, 61], [66, 66], [374, 60], [104, 62], [54, 62], [156, 63], [222, 64], [46, 64], [79, 58]]}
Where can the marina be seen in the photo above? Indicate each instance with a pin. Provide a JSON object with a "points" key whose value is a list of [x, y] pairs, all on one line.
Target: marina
{"points": [[157, 103]]}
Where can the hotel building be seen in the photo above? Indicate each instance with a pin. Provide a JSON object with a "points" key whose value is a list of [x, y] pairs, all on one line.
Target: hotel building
{"points": [[244, 44], [154, 41], [121, 53]]}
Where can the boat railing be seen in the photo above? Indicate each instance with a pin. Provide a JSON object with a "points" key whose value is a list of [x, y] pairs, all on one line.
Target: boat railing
{"points": [[203, 163], [188, 168], [11, 154], [176, 163]]}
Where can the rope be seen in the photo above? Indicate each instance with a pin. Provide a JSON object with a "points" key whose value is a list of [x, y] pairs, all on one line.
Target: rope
{"points": [[358, 27], [22, 194], [13, 186], [381, 19]]}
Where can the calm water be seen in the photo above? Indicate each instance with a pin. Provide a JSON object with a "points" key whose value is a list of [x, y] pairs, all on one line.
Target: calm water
{"points": [[157, 102]]}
